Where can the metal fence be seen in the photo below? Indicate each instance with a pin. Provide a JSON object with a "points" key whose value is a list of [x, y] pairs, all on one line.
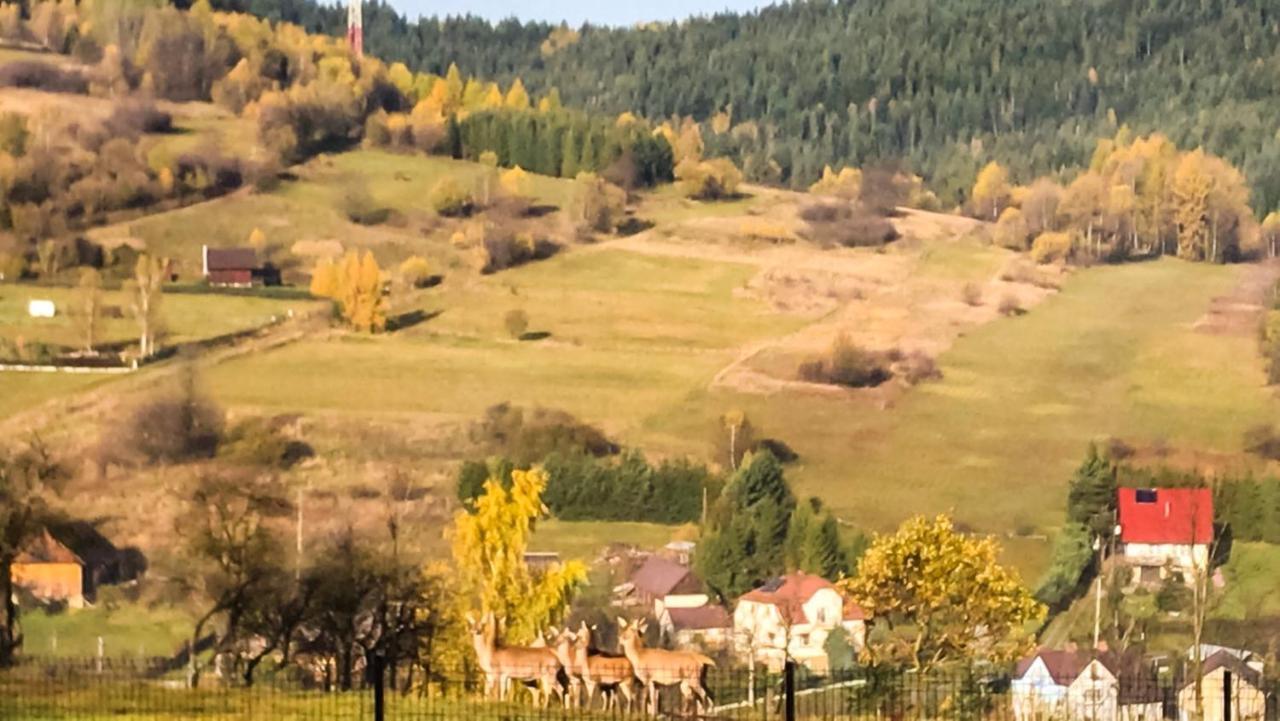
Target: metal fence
{"points": [[100, 689]]}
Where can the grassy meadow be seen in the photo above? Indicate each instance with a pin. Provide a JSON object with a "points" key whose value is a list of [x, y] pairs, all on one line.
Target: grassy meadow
{"points": [[995, 440]]}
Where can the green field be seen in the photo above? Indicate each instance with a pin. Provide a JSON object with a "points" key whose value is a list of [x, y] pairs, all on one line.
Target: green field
{"points": [[584, 539], [996, 439], [126, 629], [633, 342], [311, 208]]}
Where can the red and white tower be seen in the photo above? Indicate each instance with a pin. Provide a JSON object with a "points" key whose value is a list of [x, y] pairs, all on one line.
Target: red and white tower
{"points": [[355, 27]]}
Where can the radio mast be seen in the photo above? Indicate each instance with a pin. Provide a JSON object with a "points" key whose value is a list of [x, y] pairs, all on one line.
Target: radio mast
{"points": [[355, 27]]}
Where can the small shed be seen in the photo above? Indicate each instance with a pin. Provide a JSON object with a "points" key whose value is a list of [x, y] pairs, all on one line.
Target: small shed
{"points": [[229, 267]]}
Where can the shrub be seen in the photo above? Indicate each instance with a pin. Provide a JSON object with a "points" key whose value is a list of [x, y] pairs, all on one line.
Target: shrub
{"points": [[1011, 230], [516, 322], [360, 208], [847, 365], [527, 438], [917, 367], [42, 76], [1051, 247], [1263, 441], [971, 294], [131, 118], [262, 442], [845, 224], [449, 199], [1010, 305], [715, 179], [415, 272], [175, 425]]}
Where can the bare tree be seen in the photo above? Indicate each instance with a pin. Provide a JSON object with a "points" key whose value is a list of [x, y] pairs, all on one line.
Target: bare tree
{"points": [[148, 279], [88, 306]]}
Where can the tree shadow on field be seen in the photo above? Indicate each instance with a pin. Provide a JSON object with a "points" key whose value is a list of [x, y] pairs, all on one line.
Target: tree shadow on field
{"points": [[409, 319], [534, 335]]}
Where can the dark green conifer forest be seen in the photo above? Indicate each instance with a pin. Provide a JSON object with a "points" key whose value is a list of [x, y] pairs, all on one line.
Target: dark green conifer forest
{"points": [[942, 85]]}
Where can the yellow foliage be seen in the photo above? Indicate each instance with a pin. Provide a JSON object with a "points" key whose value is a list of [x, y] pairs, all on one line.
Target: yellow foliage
{"points": [[1011, 230], [414, 271], [489, 544], [628, 119], [945, 595], [714, 179], [257, 239], [515, 182], [845, 184], [517, 97], [1051, 247], [991, 190], [324, 279]]}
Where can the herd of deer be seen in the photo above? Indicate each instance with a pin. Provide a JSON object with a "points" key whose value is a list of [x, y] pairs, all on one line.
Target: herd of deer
{"points": [[566, 667]]}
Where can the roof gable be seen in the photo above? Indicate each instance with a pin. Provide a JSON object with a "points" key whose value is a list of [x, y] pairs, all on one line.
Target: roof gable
{"points": [[1181, 516], [659, 576], [46, 549], [231, 259]]}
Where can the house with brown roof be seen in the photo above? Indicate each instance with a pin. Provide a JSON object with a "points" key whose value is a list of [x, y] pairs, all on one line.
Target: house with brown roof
{"points": [[709, 627], [661, 582], [1225, 673], [1085, 687], [235, 268], [49, 571], [794, 615]]}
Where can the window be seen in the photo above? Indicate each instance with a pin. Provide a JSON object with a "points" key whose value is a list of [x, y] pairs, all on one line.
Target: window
{"points": [[1145, 495]]}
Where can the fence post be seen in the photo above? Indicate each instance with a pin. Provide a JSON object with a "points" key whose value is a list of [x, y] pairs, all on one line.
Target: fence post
{"points": [[789, 690], [379, 687], [1226, 696]]}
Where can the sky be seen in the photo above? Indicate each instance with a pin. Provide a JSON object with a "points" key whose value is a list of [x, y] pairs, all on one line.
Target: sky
{"points": [[598, 12]]}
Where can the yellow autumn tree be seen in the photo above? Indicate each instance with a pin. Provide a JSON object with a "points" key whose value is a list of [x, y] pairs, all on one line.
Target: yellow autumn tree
{"points": [[1192, 186], [942, 595], [517, 97], [515, 182], [1011, 230], [360, 292], [489, 543], [845, 184], [258, 240], [324, 279], [991, 190]]}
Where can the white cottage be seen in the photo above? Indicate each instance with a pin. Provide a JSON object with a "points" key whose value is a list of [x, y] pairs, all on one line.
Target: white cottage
{"points": [[795, 614], [1068, 685], [1225, 673]]}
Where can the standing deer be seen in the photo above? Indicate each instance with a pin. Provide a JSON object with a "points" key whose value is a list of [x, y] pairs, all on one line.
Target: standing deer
{"points": [[656, 667], [537, 668], [561, 644], [613, 675]]}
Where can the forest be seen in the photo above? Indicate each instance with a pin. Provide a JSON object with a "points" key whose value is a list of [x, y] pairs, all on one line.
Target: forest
{"points": [[943, 87]]}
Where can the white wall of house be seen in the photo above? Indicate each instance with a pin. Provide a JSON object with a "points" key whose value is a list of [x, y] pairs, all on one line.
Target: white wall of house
{"points": [[1248, 703], [760, 628], [1093, 695], [1184, 557], [1036, 695]]}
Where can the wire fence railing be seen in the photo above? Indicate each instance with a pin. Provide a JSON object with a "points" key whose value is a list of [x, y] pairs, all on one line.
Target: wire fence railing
{"points": [[101, 689]]}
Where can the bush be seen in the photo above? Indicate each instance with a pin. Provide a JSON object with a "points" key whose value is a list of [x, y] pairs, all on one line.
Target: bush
{"points": [[450, 199], [971, 294], [917, 367], [173, 426], [715, 179], [516, 322], [42, 76], [1010, 305], [1263, 441], [263, 442], [846, 365], [360, 208], [131, 118], [849, 225], [1051, 247], [527, 438], [415, 272]]}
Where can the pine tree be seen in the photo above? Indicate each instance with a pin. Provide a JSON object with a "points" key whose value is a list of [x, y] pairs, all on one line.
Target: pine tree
{"points": [[747, 537], [1091, 501], [569, 167], [823, 555]]}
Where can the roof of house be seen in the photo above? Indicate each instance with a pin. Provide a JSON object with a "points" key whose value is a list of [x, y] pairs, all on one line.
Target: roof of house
{"points": [[1228, 661], [793, 590], [659, 576], [1063, 666], [1180, 516], [46, 549], [699, 618], [231, 258]]}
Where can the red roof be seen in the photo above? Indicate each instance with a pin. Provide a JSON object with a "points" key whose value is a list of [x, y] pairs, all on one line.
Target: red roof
{"points": [[790, 592], [1180, 516]]}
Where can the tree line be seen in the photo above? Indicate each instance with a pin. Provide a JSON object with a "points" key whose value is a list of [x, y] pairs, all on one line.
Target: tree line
{"points": [[946, 87]]}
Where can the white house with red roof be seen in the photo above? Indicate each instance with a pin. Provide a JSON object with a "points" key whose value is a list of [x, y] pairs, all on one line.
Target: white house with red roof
{"points": [[795, 615], [1165, 529]]}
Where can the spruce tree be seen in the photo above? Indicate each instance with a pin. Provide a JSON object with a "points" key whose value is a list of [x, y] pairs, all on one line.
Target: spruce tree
{"points": [[1091, 500], [569, 150], [823, 556]]}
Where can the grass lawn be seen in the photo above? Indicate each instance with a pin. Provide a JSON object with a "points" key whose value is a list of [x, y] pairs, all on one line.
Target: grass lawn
{"points": [[584, 539], [21, 391], [1251, 577], [186, 316], [127, 630], [995, 440], [633, 341]]}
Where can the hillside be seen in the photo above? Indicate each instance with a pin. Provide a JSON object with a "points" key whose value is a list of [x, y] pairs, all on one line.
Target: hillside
{"points": [[945, 86]]}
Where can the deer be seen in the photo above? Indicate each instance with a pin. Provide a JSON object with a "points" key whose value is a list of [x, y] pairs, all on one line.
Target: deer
{"points": [[537, 668], [561, 644], [656, 667], [612, 675]]}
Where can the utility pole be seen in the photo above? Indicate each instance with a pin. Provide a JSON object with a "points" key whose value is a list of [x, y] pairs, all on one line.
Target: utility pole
{"points": [[1097, 600], [297, 571]]}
